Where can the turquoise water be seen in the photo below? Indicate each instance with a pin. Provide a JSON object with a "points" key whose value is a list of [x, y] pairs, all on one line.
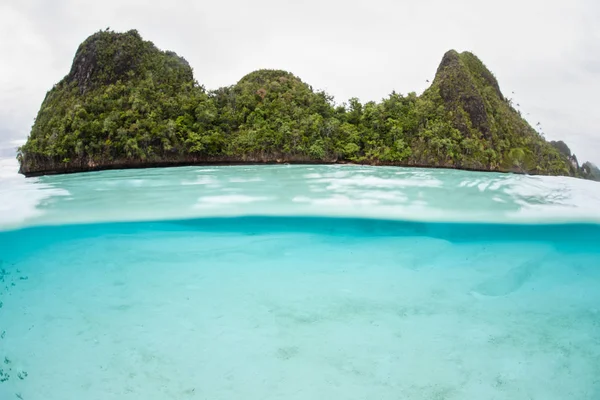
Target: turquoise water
{"points": [[151, 288]]}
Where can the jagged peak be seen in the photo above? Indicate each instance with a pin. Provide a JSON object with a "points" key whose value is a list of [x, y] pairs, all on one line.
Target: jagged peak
{"points": [[90, 62], [467, 63], [480, 71], [107, 56]]}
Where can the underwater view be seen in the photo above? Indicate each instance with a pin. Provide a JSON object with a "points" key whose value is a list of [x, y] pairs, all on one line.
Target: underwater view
{"points": [[298, 282]]}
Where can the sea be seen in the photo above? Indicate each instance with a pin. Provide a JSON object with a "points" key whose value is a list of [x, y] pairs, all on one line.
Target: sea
{"points": [[298, 282]]}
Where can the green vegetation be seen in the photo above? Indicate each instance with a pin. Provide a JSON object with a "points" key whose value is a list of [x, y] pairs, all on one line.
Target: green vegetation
{"points": [[126, 103]]}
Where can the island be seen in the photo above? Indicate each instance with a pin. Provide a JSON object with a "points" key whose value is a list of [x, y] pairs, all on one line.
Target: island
{"points": [[127, 104]]}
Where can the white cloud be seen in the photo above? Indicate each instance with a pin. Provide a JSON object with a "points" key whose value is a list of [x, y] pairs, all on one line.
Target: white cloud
{"points": [[544, 51]]}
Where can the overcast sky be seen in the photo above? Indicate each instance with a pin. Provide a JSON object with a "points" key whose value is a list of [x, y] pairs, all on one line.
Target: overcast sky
{"points": [[546, 51]]}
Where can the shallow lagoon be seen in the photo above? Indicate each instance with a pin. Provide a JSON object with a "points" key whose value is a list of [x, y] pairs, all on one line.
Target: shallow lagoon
{"points": [[236, 282]]}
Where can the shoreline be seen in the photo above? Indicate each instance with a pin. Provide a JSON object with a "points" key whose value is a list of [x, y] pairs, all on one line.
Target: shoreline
{"points": [[173, 164]]}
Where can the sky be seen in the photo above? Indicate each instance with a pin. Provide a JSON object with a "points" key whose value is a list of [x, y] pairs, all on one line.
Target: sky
{"points": [[545, 51]]}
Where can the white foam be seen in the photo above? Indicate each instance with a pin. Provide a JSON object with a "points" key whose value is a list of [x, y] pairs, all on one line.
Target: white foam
{"points": [[335, 200], [201, 180], [246, 180], [231, 199]]}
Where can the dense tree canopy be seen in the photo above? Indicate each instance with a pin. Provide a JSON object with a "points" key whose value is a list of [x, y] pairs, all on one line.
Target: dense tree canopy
{"points": [[126, 103]]}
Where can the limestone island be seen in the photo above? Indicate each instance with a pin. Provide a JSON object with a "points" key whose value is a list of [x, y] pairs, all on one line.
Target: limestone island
{"points": [[127, 104]]}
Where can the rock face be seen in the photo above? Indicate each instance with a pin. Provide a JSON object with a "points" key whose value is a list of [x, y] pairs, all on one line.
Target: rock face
{"points": [[590, 171], [459, 90], [127, 104], [106, 57]]}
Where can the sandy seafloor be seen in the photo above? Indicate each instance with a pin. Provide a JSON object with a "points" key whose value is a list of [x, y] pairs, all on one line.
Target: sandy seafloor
{"points": [[293, 308]]}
